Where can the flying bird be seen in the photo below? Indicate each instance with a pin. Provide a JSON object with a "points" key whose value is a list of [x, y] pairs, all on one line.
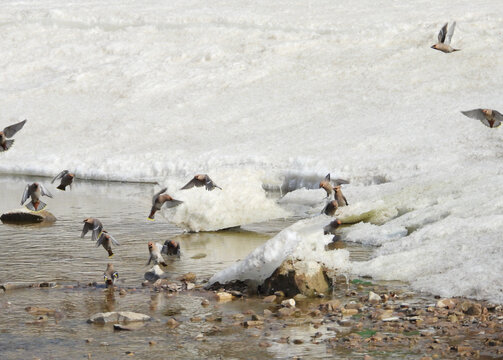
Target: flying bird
{"points": [[7, 133], [92, 224], [110, 276], [35, 191], [159, 199], [488, 117], [66, 179], [106, 240], [201, 180], [444, 39]]}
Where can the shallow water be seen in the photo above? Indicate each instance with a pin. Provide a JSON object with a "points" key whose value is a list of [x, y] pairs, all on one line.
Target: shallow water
{"points": [[55, 252]]}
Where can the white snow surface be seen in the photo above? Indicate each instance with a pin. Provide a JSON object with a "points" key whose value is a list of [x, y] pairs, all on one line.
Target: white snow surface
{"points": [[160, 91]]}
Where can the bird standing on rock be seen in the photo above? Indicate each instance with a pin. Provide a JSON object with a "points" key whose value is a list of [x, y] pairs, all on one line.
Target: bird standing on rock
{"points": [[201, 180], [155, 254], [9, 132], [444, 39], [341, 199], [110, 275], [159, 199], [35, 191], [106, 240], [326, 184], [488, 117], [92, 224], [66, 179]]}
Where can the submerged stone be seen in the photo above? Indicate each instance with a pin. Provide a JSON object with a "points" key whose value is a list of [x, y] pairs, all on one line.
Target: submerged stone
{"points": [[24, 216]]}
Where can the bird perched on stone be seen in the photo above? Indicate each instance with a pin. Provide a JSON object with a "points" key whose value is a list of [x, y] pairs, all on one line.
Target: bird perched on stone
{"points": [[110, 275], [92, 224], [341, 199], [326, 184], [488, 117], [201, 180], [330, 228], [444, 39], [171, 247], [35, 191], [155, 254], [66, 179], [330, 208], [9, 132], [159, 199], [106, 240]]}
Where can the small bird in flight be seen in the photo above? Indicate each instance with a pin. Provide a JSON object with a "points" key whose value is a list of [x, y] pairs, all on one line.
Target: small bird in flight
{"points": [[488, 117], [66, 179], [201, 180], [35, 191], [159, 199], [9, 132], [444, 39]]}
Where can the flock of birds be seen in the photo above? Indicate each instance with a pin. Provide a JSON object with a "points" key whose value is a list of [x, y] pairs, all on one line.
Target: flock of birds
{"points": [[336, 199]]}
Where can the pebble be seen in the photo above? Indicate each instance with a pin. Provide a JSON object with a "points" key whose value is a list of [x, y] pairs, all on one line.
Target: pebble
{"points": [[104, 343], [446, 303], [122, 292], [270, 299], [290, 303], [224, 296], [205, 302], [152, 342], [298, 341], [172, 322], [190, 286], [374, 298]]}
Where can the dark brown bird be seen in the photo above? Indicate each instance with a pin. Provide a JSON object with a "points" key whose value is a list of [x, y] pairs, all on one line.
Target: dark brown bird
{"points": [[159, 200], [110, 276], [35, 191], [330, 228], [330, 208], [488, 117], [201, 180], [9, 132], [92, 224], [106, 240], [444, 39], [171, 247], [66, 179]]}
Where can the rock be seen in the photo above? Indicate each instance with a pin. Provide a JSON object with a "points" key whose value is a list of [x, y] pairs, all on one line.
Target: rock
{"points": [[190, 286], [374, 298], [172, 323], [392, 318], [446, 303], [154, 274], [89, 340], [471, 308], [285, 311], [199, 337], [189, 277], [118, 317], [294, 277], [205, 302], [224, 296], [25, 216], [104, 343], [300, 297], [253, 323], [34, 310], [290, 303], [119, 327], [267, 312], [298, 341], [195, 319], [270, 299], [122, 292], [152, 342], [264, 344], [354, 305], [349, 312]]}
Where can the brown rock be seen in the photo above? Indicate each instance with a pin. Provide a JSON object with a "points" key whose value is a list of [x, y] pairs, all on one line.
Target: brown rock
{"points": [[253, 323], [270, 299], [446, 303], [189, 277], [172, 323], [285, 311], [294, 277], [224, 296], [349, 312]]}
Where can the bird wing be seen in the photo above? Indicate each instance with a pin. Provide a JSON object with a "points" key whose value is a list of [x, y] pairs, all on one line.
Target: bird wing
{"points": [[191, 184], [173, 203], [448, 37], [101, 239], [210, 185], [85, 229], [442, 33], [60, 175], [44, 191], [156, 195], [341, 181], [26, 194], [497, 115], [96, 230], [327, 178], [115, 242], [10, 131], [475, 114]]}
